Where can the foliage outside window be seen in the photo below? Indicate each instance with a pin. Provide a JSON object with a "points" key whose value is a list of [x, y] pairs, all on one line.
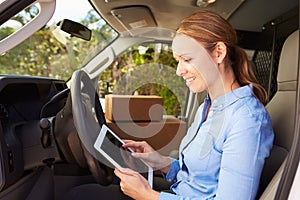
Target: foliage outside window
{"points": [[148, 69], [43, 55]]}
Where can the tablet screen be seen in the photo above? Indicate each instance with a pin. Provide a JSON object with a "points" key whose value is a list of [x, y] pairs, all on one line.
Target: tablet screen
{"points": [[110, 145], [113, 147]]}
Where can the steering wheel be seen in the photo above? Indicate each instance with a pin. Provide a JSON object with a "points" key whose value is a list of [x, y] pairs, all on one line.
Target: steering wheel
{"points": [[88, 118]]}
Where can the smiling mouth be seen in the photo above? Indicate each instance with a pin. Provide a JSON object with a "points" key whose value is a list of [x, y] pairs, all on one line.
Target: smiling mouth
{"points": [[190, 79]]}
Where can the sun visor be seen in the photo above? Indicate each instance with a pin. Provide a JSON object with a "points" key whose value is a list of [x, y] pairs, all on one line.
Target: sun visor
{"points": [[134, 17]]}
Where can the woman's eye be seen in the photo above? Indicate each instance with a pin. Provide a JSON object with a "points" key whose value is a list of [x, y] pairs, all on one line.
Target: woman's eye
{"points": [[187, 59]]}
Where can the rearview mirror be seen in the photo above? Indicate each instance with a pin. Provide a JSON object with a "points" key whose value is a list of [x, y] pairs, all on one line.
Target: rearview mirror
{"points": [[75, 29]]}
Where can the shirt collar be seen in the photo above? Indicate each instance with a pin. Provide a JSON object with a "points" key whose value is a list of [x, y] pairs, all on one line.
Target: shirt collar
{"points": [[229, 98]]}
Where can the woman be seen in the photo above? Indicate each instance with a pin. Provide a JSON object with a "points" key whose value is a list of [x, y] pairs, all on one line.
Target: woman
{"points": [[223, 153]]}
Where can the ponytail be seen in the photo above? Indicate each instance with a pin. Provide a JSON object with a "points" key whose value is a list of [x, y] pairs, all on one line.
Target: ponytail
{"points": [[244, 73]]}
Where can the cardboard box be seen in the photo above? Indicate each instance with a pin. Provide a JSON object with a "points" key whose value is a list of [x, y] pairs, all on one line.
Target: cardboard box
{"points": [[164, 136], [133, 108]]}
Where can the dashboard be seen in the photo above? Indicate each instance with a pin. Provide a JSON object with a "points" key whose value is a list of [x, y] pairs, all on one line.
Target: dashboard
{"points": [[24, 101]]}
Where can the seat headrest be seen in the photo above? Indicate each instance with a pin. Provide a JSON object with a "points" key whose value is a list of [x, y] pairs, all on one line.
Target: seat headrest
{"points": [[288, 63]]}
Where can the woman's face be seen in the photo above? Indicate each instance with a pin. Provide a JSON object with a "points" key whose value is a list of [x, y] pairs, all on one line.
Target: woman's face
{"points": [[195, 65]]}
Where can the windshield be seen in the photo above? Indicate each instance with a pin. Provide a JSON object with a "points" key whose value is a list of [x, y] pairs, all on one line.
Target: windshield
{"points": [[48, 53]]}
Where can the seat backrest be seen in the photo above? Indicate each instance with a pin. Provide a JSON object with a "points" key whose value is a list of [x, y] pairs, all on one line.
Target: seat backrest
{"points": [[282, 105], [282, 108]]}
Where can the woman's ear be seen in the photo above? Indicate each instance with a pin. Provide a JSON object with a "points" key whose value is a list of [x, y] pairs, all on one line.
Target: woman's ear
{"points": [[221, 52]]}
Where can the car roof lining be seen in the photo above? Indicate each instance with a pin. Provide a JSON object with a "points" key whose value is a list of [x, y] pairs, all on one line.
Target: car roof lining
{"points": [[162, 14], [240, 13]]}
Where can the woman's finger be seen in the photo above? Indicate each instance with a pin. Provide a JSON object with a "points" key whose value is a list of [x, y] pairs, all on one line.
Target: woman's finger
{"points": [[133, 144], [127, 141], [121, 172], [127, 171]]}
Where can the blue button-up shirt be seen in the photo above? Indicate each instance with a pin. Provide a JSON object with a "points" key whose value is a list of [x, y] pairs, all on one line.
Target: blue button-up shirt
{"points": [[223, 153]]}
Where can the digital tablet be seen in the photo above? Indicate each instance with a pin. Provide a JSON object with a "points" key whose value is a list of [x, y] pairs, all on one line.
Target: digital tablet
{"points": [[111, 147]]}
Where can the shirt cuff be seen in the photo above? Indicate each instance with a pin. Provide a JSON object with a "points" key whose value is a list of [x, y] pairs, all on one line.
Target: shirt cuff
{"points": [[167, 196], [172, 173]]}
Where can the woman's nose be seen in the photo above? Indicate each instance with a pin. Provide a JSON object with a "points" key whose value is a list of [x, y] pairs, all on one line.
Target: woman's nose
{"points": [[181, 69]]}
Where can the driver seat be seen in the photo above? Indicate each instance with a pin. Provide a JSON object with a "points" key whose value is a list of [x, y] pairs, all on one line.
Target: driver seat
{"points": [[282, 109]]}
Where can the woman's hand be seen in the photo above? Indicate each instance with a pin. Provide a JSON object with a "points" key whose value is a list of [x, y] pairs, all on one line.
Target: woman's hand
{"points": [[135, 185], [145, 152]]}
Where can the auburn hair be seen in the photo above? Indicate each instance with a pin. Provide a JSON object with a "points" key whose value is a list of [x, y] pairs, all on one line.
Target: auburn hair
{"points": [[209, 28]]}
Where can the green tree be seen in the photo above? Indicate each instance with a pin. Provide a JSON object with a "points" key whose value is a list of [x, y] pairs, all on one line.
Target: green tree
{"points": [[149, 73], [43, 55]]}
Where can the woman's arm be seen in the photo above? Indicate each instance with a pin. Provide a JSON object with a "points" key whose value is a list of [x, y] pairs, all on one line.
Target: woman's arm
{"points": [[244, 152]]}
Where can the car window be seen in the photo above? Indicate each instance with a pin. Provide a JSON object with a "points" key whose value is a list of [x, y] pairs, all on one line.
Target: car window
{"points": [[147, 69], [19, 20], [50, 53]]}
